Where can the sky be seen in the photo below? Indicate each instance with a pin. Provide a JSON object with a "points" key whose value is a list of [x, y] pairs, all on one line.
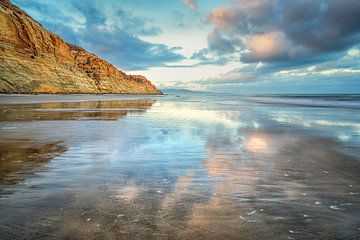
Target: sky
{"points": [[235, 46]]}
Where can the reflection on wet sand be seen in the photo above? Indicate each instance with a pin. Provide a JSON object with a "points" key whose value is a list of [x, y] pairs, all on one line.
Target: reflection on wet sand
{"points": [[257, 143], [19, 157], [23, 150], [100, 110], [51, 168], [171, 170], [294, 191]]}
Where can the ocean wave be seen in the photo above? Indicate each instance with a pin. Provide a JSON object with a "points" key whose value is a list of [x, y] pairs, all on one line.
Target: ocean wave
{"points": [[346, 101]]}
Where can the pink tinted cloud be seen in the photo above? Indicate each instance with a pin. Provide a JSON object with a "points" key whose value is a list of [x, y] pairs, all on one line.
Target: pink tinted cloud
{"points": [[276, 30], [223, 17], [268, 46], [244, 10], [191, 4]]}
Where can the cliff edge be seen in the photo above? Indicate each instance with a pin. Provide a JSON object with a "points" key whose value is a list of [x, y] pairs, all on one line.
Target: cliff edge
{"points": [[35, 60]]}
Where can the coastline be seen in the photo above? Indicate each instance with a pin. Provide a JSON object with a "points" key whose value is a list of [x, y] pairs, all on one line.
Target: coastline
{"points": [[43, 98]]}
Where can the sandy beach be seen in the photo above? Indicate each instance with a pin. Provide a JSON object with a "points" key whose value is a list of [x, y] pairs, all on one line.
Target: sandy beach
{"points": [[180, 166]]}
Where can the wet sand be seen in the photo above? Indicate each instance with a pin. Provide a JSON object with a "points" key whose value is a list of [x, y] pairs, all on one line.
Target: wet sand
{"points": [[176, 167]]}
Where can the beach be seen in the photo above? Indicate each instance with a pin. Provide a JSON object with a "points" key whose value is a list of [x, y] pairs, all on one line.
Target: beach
{"points": [[185, 165]]}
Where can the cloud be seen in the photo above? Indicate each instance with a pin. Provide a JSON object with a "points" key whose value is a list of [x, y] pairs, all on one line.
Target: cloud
{"points": [[230, 78], [267, 47], [135, 25], [221, 43], [223, 17], [335, 75], [207, 57], [191, 4], [273, 31], [127, 51], [107, 31]]}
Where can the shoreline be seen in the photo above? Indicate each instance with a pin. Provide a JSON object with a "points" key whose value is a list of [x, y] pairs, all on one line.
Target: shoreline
{"points": [[43, 98], [77, 93]]}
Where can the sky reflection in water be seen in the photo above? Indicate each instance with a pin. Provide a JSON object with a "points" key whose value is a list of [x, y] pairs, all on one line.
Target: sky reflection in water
{"points": [[178, 167]]}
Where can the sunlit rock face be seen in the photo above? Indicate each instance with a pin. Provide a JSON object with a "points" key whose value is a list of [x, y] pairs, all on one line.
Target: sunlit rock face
{"points": [[34, 60]]}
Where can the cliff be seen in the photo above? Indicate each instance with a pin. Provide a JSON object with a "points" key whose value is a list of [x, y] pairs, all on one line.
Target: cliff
{"points": [[35, 60]]}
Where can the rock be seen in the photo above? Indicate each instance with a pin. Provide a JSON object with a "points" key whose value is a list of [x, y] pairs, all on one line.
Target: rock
{"points": [[35, 60]]}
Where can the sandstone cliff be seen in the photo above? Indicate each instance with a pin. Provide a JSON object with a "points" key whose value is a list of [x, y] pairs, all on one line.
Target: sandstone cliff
{"points": [[35, 60]]}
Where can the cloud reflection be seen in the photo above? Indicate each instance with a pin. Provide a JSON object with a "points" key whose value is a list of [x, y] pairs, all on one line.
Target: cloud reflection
{"points": [[257, 144]]}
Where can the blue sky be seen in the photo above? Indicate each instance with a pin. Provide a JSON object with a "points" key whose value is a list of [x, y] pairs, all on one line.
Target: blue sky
{"points": [[238, 46]]}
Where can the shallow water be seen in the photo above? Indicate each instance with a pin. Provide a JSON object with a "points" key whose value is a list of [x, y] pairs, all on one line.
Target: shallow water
{"points": [[177, 167]]}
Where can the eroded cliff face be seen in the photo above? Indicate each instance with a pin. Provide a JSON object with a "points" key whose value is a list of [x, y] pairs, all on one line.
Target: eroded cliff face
{"points": [[34, 60]]}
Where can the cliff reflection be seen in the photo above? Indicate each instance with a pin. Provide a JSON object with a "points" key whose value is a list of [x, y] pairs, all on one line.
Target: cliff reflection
{"points": [[21, 157], [98, 110], [25, 146]]}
